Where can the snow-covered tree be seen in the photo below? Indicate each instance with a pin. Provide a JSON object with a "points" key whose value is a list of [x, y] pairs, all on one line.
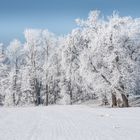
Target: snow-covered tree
{"points": [[49, 44], [4, 73], [109, 61], [33, 59], [14, 54]]}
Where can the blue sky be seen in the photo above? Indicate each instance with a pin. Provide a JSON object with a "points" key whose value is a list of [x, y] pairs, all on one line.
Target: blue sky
{"points": [[56, 15]]}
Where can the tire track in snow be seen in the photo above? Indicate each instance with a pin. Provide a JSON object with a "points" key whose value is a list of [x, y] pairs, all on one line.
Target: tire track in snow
{"points": [[69, 123]]}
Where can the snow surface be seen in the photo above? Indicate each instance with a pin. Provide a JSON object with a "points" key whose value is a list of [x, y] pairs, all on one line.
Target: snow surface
{"points": [[77, 122]]}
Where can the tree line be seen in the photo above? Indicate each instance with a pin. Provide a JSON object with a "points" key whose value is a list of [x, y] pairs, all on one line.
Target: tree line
{"points": [[98, 60]]}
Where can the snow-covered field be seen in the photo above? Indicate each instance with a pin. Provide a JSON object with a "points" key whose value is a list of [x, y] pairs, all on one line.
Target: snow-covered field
{"points": [[77, 122]]}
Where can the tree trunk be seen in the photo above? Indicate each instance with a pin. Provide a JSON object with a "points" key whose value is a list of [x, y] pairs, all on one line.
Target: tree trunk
{"points": [[114, 100], [15, 88], [38, 89], [14, 100], [47, 85], [125, 100], [47, 95], [70, 97]]}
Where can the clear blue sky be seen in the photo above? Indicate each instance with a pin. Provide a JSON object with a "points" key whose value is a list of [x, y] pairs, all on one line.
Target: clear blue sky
{"points": [[56, 15]]}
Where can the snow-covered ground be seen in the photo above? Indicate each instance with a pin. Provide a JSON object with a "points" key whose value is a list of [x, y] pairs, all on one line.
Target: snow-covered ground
{"points": [[77, 122]]}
